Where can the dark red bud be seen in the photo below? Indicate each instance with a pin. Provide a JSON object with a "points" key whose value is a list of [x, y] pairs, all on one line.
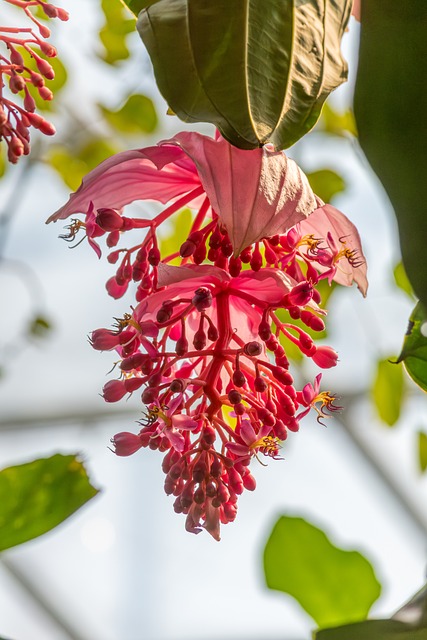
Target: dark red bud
{"points": [[260, 384], [202, 298], [239, 378], [109, 219], [253, 348], [234, 396]]}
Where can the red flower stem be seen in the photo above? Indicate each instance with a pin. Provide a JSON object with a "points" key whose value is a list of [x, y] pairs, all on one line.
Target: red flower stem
{"points": [[177, 205]]}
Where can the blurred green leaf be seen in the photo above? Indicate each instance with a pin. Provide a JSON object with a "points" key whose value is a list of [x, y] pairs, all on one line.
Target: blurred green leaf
{"points": [[3, 163], [332, 585], [177, 233], [390, 105], [39, 327], [373, 630], [118, 25], [422, 450], [73, 164], [137, 115], [37, 496], [387, 391], [414, 349], [335, 123], [401, 279], [326, 183]]}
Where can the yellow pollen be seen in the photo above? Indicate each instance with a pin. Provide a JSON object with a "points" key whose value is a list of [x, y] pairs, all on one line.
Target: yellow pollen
{"points": [[310, 241]]}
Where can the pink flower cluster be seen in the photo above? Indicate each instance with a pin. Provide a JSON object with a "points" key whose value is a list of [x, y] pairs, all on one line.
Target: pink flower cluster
{"points": [[15, 120], [205, 343]]}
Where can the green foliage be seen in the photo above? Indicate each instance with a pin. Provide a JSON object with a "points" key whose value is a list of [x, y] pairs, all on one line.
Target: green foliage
{"points": [[422, 450], [338, 124], [37, 496], [326, 183], [388, 391], [73, 164], [373, 630], [113, 34], [401, 279], [414, 349], [332, 585], [3, 161], [39, 327], [390, 108], [239, 65], [137, 115]]}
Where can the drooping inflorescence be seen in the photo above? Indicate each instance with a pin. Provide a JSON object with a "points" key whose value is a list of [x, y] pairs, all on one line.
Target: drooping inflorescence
{"points": [[205, 344], [16, 76]]}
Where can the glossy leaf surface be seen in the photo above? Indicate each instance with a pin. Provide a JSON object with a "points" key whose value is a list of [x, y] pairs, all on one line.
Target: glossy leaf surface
{"points": [[414, 350], [332, 585], [39, 495], [387, 391], [259, 70], [373, 630], [390, 108]]}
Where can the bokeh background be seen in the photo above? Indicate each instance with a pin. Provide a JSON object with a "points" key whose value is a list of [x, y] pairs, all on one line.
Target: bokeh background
{"points": [[123, 567]]}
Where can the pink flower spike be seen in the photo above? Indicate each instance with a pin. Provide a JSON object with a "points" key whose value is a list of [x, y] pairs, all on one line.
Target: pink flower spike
{"points": [[345, 252], [256, 193]]}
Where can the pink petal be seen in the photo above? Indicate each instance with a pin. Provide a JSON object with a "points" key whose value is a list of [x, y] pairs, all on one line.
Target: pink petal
{"points": [[267, 285], [238, 449], [356, 9], [175, 438], [256, 193], [168, 274], [329, 219], [155, 173], [184, 422], [247, 432], [212, 523]]}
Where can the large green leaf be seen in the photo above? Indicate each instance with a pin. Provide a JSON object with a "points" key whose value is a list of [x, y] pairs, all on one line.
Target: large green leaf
{"points": [[387, 391], [334, 586], [414, 350], [373, 630], [39, 495], [390, 108], [259, 70]]}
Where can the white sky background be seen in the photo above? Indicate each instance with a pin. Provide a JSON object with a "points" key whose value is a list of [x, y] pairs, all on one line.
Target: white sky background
{"points": [[124, 568]]}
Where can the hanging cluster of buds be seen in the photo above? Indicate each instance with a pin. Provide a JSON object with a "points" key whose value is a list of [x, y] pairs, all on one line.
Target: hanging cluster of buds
{"points": [[205, 344], [16, 76]]}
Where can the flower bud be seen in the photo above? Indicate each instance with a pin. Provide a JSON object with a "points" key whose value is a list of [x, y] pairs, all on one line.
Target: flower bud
{"points": [[109, 219], [202, 298], [253, 348]]}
